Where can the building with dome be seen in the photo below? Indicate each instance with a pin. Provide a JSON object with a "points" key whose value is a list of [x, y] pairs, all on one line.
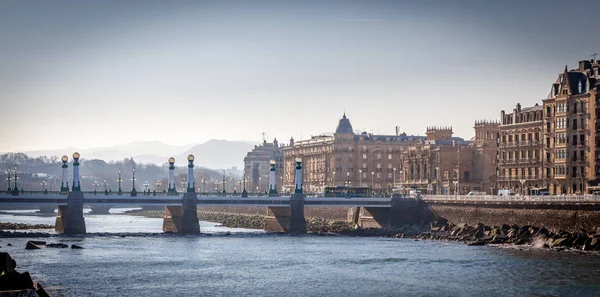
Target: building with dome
{"points": [[387, 162]]}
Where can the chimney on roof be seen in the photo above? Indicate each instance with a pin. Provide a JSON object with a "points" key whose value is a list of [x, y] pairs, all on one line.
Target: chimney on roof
{"points": [[519, 107], [584, 65]]}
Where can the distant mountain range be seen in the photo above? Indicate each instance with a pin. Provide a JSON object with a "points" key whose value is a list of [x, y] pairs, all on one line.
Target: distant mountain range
{"points": [[214, 154]]}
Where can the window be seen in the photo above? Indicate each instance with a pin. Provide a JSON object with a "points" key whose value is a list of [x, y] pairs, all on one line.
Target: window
{"points": [[466, 175], [389, 166], [364, 165], [389, 175], [579, 87], [389, 156], [364, 156], [378, 156], [378, 175]]}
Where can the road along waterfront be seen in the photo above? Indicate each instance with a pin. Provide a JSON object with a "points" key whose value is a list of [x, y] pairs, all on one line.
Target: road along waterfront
{"points": [[236, 262]]}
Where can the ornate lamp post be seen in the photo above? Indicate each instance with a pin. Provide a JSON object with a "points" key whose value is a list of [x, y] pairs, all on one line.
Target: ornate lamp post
{"points": [[333, 179], [76, 186], [298, 189], [224, 182], [244, 192], [394, 179], [146, 185], [522, 186], [105, 184], [15, 178], [372, 177], [191, 187], [133, 190], [171, 175], [119, 180], [8, 178], [157, 185], [272, 180], [44, 184], [204, 184], [64, 185], [95, 186]]}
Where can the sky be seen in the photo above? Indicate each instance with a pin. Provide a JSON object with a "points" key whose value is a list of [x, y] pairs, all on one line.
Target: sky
{"points": [[99, 73]]}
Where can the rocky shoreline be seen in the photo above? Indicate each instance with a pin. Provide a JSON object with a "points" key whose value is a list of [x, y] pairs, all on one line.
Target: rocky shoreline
{"points": [[537, 237]]}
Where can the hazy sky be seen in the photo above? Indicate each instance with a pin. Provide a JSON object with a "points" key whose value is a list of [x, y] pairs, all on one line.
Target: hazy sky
{"points": [[98, 73]]}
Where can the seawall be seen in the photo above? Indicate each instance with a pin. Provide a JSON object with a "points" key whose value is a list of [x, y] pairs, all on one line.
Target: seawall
{"points": [[566, 216]]}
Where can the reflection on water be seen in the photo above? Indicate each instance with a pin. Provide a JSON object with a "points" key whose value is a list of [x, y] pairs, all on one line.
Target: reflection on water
{"points": [[258, 264]]}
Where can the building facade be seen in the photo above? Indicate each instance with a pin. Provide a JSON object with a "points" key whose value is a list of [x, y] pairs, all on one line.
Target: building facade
{"points": [[256, 166], [520, 142], [571, 111], [442, 164], [346, 158]]}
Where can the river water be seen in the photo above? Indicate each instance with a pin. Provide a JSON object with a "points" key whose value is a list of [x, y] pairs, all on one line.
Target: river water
{"points": [[252, 263]]}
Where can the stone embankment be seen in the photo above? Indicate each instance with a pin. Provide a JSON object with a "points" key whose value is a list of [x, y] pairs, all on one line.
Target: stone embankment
{"points": [[516, 235]]}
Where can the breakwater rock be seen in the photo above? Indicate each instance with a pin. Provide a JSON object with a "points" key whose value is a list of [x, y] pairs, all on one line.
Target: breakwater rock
{"points": [[539, 237], [13, 283]]}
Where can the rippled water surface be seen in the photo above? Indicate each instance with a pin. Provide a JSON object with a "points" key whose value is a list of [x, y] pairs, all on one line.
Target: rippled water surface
{"points": [[252, 263]]}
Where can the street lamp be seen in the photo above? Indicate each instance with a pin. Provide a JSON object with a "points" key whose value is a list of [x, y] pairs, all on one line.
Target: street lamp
{"points": [[146, 185], [15, 178], [455, 182], [394, 179], [43, 184], [157, 184], [372, 177], [95, 184], [105, 184], [522, 185], [360, 177], [8, 179], [204, 184], [333, 180], [133, 190], [224, 182], [119, 180]]}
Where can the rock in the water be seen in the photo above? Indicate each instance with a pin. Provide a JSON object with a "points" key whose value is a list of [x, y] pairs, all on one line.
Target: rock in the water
{"points": [[57, 245], [478, 242], [7, 263], [31, 246], [38, 242], [74, 246]]}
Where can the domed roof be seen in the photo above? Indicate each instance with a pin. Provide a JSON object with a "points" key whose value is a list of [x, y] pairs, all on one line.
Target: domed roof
{"points": [[344, 126]]}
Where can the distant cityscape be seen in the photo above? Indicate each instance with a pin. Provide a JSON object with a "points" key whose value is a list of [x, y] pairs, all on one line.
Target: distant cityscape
{"points": [[549, 148]]}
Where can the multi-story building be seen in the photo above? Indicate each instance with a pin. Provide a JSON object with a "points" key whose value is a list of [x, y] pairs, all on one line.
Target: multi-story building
{"points": [[571, 113], [346, 158], [442, 164], [257, 166], [520, 142], [383, 162]]}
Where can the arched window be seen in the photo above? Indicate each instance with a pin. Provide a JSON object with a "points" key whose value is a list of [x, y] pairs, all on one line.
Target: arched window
{"points": [[579, 87]]}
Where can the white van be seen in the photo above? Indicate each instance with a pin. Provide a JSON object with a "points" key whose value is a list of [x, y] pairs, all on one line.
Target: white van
{"points": [[504, 192], [476, 193]]}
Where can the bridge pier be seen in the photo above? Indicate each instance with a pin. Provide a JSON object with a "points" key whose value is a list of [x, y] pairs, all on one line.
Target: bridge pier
{"points": [[70, 217], [287, 219], [47, 209], [403, 211], [182, 219]]}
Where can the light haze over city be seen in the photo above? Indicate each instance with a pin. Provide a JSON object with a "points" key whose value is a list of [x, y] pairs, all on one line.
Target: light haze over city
{"points": [[99, 73]]}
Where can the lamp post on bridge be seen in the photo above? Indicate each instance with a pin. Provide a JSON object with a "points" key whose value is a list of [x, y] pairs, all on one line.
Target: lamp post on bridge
{"points": [[157, 185], [64, 185], [191, 187], [372, 184], [119, 180], [44, 184], [133, 190], [15, 178], [244, 192], [522, 181], [95, 186], [8, 179], [105, 184], [146, 185], [298, 188], [76, 185], [204, 184], [272, 180], [224, 182], [171, 189]]}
